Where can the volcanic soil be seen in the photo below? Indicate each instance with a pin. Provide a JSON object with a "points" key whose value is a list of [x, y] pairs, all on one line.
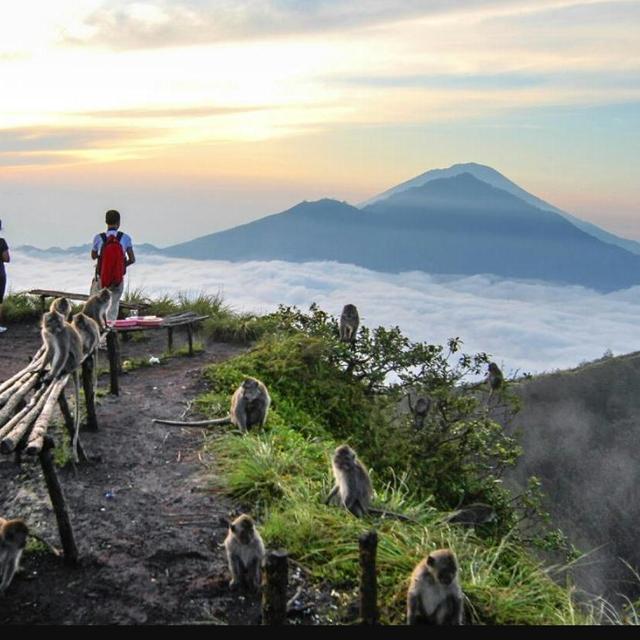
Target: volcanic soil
{"points": [[148, 520]]}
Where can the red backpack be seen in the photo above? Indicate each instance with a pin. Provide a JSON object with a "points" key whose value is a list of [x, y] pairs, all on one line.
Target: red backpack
{"points": [[111, 265]]}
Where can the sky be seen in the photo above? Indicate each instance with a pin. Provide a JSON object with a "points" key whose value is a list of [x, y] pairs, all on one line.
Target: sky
{"points": [[191, 116], [526, 327]]}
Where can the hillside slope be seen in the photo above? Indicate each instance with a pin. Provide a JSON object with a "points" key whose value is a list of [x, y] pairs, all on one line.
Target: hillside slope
{"points": [[581, 436]]}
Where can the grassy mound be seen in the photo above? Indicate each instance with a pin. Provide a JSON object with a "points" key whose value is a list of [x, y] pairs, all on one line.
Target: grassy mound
{"points": [[325, 393]]}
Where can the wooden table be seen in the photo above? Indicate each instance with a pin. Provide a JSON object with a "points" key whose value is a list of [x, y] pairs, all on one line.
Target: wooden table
{"points": [[187, 319], [47, 293]]}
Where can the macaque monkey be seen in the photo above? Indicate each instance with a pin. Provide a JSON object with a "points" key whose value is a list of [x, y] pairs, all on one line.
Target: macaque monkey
{"points": [[352, 482], [88, 331], [62, 306], [419, 410], [494, 377], [349, 322], [245, 553], [434, 595], [96, 307], [353, 486], [13, 538], [63, 349], [473, 514], [63, 345], [249, 407]]}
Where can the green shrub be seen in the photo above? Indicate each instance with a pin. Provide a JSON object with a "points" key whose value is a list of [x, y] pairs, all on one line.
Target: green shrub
{"points": [[21, 307], [325, 388]]}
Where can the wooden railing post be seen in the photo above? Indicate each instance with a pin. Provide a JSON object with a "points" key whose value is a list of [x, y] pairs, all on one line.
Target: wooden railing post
{"points": [[58, 503], [274, 594], [114, 361], [70, 424], [88, 374], [368, 579]]}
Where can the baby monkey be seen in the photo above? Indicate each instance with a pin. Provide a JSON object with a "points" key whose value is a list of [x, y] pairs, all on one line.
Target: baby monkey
{"points": [[434, 595], [96, 307], [13, 538], [245, 553], [477, 513]]}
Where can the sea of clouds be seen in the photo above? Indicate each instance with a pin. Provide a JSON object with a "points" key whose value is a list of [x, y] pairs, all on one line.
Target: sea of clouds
{"points": [[526, 327]]}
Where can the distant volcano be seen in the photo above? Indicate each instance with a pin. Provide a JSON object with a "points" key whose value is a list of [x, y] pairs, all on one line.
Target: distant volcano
{"points": [[448, 221]]}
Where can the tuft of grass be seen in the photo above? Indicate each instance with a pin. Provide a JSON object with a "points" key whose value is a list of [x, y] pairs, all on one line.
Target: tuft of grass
{"points": [[36, 547], [21, 307], [286, 476]]}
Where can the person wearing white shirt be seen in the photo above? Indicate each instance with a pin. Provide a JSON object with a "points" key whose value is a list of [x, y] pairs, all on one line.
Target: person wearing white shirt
{"points": [[112, 219]]}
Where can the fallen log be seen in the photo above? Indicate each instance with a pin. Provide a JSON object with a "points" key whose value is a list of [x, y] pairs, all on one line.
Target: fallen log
{"points": [[18, 396], [274, 593], [39, 431], [9, 442], [59, 504], [22, 413], [6, 395]]}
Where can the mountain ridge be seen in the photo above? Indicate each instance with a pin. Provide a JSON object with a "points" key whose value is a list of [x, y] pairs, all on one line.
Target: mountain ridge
{"points": [[495, 178], [458, 225]]}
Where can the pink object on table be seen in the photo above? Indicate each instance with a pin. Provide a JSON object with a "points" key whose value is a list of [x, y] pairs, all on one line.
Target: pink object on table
{"points": [[149, 321], [125, 323]]}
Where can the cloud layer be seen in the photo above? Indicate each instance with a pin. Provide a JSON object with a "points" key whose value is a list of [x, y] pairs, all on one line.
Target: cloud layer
{"points": [[526, 327]]}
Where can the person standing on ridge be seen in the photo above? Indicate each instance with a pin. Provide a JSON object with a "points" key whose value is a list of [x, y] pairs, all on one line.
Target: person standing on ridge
{"points": [[4, 257], [113, 250]]}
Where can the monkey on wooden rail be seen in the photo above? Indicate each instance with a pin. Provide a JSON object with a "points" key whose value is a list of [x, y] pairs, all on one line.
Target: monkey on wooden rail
{"points": [[62, 306], [96, 307], [64, 354]]}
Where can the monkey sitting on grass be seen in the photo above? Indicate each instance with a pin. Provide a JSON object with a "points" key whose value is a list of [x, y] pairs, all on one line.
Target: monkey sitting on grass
{"points": [[434, 595], [353, 486]]}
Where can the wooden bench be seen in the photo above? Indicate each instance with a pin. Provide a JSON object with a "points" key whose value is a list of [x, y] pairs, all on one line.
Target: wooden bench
{"points": [[187, 319], [46, 293]]}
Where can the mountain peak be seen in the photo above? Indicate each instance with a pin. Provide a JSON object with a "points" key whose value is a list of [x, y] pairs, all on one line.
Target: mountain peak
{"points": [[324, 206]]}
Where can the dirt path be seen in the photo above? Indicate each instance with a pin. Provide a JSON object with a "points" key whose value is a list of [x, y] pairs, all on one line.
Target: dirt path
{"points": [[148, 534]]}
